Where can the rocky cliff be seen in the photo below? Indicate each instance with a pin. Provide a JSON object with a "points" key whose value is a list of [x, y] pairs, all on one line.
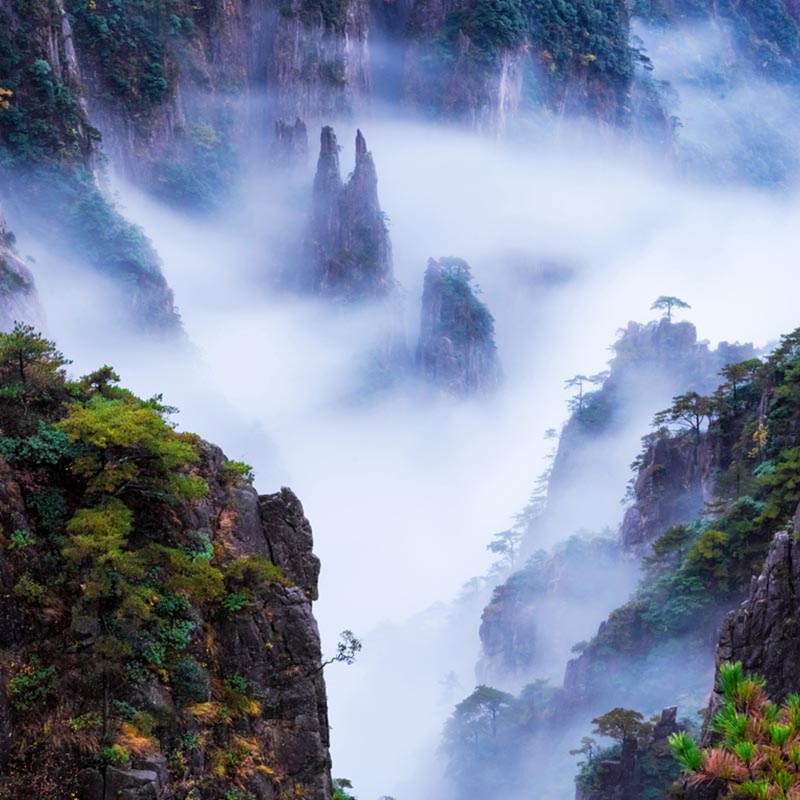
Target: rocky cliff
{"points": [[320, 59], [763, 632], [456, 349], [673, 483], [49, 151], [523, 630], [642, 770], [17, 289], [652, 363], [767, 35], [348, 255], [157, 80], [675, 478], [482, 63], [448, 73], [290, 143], [157, 638], [762, 635]]}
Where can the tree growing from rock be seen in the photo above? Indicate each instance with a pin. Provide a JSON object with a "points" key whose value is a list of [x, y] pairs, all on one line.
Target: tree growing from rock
{"points": [[506, 545], [576, 402], [738, 374], [477, 716], [622, 724], [688, 410], [666, 303]]}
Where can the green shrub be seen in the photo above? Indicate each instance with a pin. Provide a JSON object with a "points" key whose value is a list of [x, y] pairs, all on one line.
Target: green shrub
{"points": [[254, 572], [21, 539], [115, 755], [200, 546], [490, 25], [33, 684], [47, 446], [177, 635], [91, 719], [464, 318], [235, 601], [26, 588], [757, 752], [239, 794], [237, 683], [49, 507], [589, 774], [125, 710], [190, 682], [231, 471]]}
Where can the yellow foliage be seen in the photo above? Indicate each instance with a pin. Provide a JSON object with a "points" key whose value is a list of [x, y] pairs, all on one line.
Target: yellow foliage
{"points": [[759, 440], [134, 740], [205, 712], [5, 97]]}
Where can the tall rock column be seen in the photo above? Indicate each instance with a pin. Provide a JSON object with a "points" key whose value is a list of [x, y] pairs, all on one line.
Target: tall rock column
{"points": [[456, 348], [348, 254]]}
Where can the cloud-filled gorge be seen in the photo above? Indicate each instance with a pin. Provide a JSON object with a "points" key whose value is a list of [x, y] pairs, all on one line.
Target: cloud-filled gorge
{"points": [[572, 227]]}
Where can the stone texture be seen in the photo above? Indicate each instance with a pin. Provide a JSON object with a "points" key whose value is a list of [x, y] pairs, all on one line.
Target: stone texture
{"points": [[456, 349], [18, 298], [668, 490], [273, 644], [348, 253], [289, 539], [764, 632], [290, 143], [319, 65], [131, 784]]}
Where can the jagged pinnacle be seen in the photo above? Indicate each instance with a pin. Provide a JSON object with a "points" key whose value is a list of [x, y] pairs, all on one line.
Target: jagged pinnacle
{"points": [[361, 144], [327, 143]]}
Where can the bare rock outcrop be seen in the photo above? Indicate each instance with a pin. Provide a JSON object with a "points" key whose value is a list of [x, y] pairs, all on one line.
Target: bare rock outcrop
{"points": [[456, 349], [18, 299], [348, 253], [764, 632], [290, 143], [668, 490], [320, 62]]}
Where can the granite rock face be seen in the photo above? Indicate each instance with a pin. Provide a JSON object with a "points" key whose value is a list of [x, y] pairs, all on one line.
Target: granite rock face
{"points": [[290, 143], [669, 490], [319, 64], [17, 289], [764, 635], [456, 350], [348, 251], [764, 632], [271, 646]]}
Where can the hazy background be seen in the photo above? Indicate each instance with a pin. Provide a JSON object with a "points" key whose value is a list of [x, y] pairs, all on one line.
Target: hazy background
{"points": [[569, 236]]}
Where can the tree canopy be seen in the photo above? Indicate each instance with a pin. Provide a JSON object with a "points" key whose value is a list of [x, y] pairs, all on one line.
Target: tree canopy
{"points": [[622, 724], [666, 303]]}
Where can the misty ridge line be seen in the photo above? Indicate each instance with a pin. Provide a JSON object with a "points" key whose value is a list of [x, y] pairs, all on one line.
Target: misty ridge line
{"points": [[541, 260]]}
